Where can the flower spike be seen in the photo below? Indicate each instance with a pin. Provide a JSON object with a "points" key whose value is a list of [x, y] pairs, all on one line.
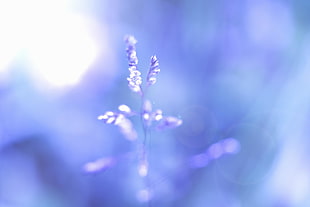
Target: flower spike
{"points": [[134, 79], [153, 71]]}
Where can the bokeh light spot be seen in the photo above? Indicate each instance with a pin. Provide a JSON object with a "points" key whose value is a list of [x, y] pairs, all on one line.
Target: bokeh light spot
{"points": [[63, 51], [144, 195]]}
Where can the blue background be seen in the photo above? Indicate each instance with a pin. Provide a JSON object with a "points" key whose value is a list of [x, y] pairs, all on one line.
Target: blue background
{"points": [[230, 69]]}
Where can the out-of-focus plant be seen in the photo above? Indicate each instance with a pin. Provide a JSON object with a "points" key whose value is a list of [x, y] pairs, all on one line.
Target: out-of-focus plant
{"points": [[150, 119]]}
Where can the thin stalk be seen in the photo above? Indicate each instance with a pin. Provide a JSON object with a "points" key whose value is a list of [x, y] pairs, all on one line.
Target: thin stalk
{"points": [[146, 132]]}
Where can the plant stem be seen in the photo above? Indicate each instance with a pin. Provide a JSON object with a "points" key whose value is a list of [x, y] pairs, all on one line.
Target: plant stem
{"points": [[144, 155]]}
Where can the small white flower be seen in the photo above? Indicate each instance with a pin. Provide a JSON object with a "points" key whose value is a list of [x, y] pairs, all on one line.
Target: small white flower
{"points": [[124, 108]]}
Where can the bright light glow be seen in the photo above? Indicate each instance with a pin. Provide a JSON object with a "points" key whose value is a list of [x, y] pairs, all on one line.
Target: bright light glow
{"points": [[9, 46], [290, 178], [17, 21], [59, 43], [10, 38], [63, 50]]}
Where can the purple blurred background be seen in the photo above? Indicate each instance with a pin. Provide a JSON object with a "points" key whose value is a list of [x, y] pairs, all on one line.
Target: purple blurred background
{"points": [[232, 70]]}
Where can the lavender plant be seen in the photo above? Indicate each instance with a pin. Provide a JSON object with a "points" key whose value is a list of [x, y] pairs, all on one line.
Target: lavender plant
{"points": [[150, 119]]}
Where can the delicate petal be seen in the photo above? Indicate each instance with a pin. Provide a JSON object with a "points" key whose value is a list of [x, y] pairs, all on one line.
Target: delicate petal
{"points": [[147, 112], [98, 165], [109, 117], [109, 113], [119, 119], [169, 122], [147, 106], [158, 115], [102, 117], [124, 108], [110, 120], [151, 80], [130, 40], [127, 129]]}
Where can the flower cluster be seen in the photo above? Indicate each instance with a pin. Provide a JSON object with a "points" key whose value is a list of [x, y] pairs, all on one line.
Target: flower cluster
{"points": [[154, 70], [134, 79], [119, 118], [164, 122]]}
